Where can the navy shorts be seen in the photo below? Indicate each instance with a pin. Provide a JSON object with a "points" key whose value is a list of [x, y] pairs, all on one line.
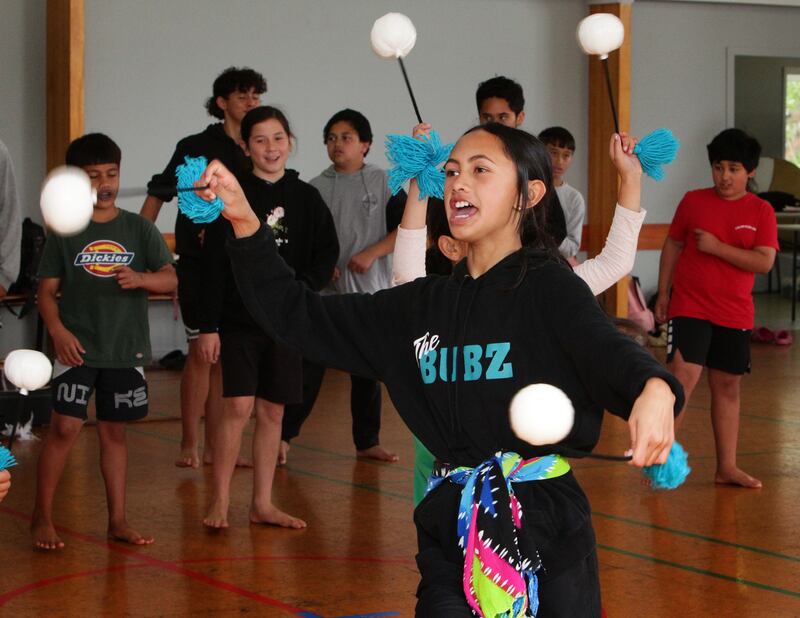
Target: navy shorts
{"points": [[254, 365], [121, 393], [704, 343]]}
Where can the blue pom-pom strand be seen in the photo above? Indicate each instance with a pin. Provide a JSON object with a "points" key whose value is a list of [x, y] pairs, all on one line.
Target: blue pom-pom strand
{"points": [[6, 459], [420, 159], [189, 203], [671, 474], [655, 150]]}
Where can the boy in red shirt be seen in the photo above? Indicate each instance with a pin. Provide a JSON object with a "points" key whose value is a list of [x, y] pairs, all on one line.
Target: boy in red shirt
{"points": [[719, 238]]}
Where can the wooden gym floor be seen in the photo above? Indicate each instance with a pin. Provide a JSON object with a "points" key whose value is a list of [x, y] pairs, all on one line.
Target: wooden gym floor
{"points": [[703, 550]]}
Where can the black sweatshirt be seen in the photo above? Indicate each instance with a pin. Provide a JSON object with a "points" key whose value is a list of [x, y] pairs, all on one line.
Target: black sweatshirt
{"points": [[308, 244], [213, 143], [548, 328]]}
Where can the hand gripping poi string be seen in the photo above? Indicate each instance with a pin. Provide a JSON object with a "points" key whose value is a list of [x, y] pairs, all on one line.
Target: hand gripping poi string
{"points": [[189, 203], [420, 159]]}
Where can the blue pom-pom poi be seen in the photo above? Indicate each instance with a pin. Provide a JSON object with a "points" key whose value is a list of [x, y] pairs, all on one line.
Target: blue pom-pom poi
{"points": [[420, 159], [189, 203], [6, 459], [655, 150], [671, 474]]}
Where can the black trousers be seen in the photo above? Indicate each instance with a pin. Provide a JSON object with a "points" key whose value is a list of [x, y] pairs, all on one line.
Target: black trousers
{"points": [[365, 407]]}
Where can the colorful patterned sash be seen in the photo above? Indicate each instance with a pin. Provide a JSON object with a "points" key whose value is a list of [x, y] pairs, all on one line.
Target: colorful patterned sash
{"points": [[499, 574]]}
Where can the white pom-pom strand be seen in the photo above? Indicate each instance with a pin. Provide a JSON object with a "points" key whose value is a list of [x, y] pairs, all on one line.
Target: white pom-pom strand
{"points": [[67, 200], [541, 414], [28, 370], [600, 34], [393, 36]]}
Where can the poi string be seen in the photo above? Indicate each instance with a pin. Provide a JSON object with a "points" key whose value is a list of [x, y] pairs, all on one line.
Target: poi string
{"points": [[543, 415], [142, 191], [410, 91]]}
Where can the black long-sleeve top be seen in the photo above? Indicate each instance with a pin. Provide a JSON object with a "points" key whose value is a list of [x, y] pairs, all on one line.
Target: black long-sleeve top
{"points": [[307, 239], [212, 143], [453, 351]]}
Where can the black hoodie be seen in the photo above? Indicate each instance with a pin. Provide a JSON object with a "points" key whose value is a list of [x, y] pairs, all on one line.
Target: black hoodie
{"points": [[212, 143], [308, 244], [506, 334]]}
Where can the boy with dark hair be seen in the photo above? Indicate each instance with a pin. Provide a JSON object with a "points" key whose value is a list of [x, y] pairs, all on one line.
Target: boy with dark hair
{"points": [[366, 216], [719, 238], [100, 335], [235, 92], [500, 99], [561, 146]]}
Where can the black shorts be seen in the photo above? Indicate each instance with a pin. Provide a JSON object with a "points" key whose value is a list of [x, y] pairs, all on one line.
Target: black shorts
{"points": [[254, 365], [121, 393], [190, 283], [704, 343]]}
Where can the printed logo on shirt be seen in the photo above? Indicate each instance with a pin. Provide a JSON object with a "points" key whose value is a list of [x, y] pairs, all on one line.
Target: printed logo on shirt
{"points": [[102, 258], [473, 362], [745, 227]]}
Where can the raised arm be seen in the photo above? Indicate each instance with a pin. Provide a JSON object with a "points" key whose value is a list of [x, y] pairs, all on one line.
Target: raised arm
{"points": [[619, 253]]}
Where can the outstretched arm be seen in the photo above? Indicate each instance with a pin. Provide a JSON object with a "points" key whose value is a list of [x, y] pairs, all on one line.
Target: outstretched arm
{"points": [[353, 332]]}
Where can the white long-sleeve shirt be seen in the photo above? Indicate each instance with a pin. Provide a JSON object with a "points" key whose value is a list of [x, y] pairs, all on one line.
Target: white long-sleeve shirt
{"points": [[614, 261], [10, 221]]}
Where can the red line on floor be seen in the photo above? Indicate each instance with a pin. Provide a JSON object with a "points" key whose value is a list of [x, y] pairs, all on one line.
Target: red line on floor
{"points": [[167, 566], [43, 583], [401, 561]]}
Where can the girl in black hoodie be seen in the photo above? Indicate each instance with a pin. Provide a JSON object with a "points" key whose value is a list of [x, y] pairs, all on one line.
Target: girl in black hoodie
{"points": [[452, 352], [255, 368]]}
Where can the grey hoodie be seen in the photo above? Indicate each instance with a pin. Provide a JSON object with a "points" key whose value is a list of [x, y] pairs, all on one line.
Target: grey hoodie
{"points": [[10, 221], [357, 202]]}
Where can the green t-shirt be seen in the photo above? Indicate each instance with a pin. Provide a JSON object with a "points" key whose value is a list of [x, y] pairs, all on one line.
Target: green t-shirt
{"points": [[110, 323]]}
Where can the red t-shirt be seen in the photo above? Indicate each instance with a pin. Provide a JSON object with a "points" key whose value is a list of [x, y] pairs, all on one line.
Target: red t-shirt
{"points": [[707, 287]]}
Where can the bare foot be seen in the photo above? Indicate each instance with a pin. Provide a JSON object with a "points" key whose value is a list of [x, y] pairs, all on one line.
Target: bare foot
{"points": [[379, 453], [123, 533], [217, 516], [44, 535], [273, 516], [241, 462], [188, 458], [736, 477], [283, 452]]}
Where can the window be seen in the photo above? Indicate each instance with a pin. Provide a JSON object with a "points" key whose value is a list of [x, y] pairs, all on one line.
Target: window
{"points": [[791, 115]]}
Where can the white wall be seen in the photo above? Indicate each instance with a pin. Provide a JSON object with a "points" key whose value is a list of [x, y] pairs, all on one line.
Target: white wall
{"points": [[149, 68]]}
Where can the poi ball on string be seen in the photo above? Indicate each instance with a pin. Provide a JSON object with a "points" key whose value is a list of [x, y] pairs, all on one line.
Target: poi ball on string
{"points": [[393, 36], [541, 414], [28, 370], [600, 34], [67, 200]]}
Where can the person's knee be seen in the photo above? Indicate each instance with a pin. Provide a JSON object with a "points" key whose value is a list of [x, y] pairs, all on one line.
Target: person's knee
{"points": [[269, 412], [724, 384], [238, 408], [64, 428]]}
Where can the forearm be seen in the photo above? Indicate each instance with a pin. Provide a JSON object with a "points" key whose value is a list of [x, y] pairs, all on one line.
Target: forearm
{"points": [[618, 255], [666, 265], [385, 246], [409, 255], [751, 260], [630, 192], [48, 310], [151, 207], [163, 281], [415, 212]]}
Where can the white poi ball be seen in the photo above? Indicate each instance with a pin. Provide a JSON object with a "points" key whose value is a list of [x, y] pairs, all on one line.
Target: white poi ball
{"points": [[28, 370], [600, 34], [67, 200], [541, 414], [393, 36]]}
